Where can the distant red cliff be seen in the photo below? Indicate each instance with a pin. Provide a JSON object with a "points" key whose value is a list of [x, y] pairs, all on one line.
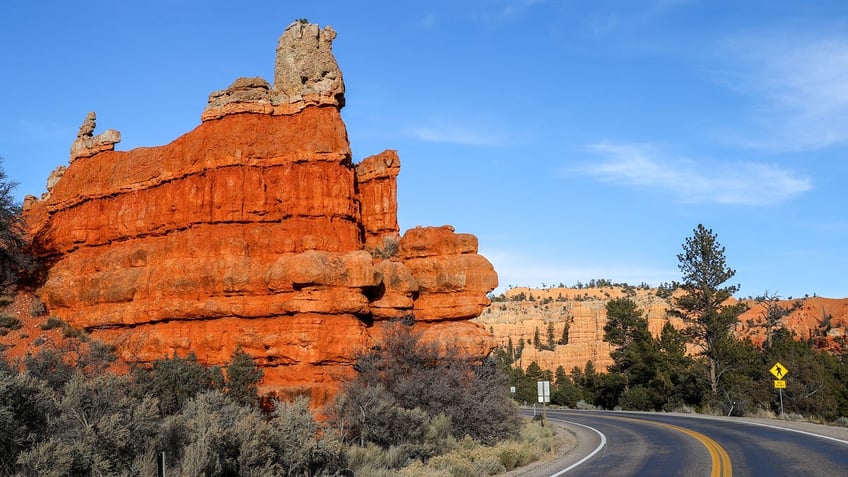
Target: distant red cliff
{"points": [[523, 311]]}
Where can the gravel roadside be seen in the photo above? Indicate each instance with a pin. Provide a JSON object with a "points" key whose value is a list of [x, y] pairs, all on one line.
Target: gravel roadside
{"points": [[573, 446]]}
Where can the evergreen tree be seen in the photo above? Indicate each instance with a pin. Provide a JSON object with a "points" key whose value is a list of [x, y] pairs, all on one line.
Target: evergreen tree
{"points": [[704, 306], [625, 326], [15, 264], [551, 336], [772, 315], [634, 359], [565, 329], [243, 377], [564, 391]]}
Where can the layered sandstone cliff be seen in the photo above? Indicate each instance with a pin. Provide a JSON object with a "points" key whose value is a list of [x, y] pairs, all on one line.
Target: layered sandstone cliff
{"points": [[524, 311], [254, 230]]}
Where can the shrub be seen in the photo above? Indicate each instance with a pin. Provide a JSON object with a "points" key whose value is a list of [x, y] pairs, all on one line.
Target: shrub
{"points": [[368, 459], [583, 405], [50, 366], [420, 375], [50, 458], [243, 377], [474, 461], [10, 322], [52, 323], [26, 404], [301, 445], [636, 398], [538, 437], [37, 308], [174, 381], [373, 415], [389, 249], [69, 331]]}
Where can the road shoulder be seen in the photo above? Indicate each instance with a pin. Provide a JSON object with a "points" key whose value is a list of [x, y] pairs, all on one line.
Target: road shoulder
{"points": [[577, 442]]}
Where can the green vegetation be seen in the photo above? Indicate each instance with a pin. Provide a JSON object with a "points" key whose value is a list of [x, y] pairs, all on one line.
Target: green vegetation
{"points": [[16, 266], [61, 419], [8, 323], [725, 374], [403, 384], [389, 249], [709, 320], [68, 331], [413, 408], [52, 323]]}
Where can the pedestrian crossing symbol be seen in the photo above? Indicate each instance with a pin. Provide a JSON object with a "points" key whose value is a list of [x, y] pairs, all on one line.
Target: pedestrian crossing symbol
{"points": [[779, 370]]}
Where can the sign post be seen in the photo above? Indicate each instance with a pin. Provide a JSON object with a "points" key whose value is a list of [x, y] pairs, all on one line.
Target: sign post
{"points": [[779, 371], [160, 464], [544, 391]]}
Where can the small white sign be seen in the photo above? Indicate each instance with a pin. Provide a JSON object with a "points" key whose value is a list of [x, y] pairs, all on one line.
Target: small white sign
{"points": [[544, 391]]}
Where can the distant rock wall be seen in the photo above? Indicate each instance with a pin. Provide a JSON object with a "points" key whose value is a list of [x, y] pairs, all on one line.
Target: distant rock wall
{"points": [[821, 320], [254, 230], [583, 311]]}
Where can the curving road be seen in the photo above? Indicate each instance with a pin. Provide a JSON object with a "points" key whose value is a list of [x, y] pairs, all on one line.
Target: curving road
{"points": [[649, 444]]}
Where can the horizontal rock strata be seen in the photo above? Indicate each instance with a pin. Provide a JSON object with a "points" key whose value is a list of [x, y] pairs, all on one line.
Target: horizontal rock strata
{"points": [[254, 230]]}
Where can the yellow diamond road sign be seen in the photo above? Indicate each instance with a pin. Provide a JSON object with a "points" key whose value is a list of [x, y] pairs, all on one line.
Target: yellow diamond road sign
{"points": [[779, 371]]}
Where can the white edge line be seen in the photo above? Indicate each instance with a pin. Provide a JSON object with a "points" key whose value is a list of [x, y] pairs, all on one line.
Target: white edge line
{"points": [[794, 430], [581, 461]]}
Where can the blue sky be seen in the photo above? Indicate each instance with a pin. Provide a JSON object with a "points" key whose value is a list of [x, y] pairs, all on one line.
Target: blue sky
{"points": [[576, 139]]}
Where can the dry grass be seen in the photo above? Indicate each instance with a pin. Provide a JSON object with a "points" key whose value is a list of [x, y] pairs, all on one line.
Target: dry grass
{"points": [[464, 458]]}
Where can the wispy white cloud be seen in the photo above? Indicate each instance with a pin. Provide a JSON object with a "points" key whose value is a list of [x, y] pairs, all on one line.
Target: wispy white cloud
{"points": [[798, 83], [456, 134], [740, 183], [515, 7], [428, 21]]}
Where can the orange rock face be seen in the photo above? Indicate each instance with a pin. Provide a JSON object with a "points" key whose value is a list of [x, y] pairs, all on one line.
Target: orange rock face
{"points": [[254, 230], [823, 321]]}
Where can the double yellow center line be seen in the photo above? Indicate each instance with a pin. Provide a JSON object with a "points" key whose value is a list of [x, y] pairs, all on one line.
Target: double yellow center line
{"points": [[720, 460]]}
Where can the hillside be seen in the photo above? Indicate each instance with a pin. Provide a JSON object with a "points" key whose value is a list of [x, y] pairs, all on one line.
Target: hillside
{"points": [[517, 314]]}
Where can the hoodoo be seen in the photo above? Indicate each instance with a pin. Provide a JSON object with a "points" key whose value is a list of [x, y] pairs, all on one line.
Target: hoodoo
{"points": [[254, 230]]}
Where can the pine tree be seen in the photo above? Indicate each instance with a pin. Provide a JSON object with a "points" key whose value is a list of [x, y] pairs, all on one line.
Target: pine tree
{"points": [[565, 329], [704, 306], [243, 376], [551, 336], [15, 264]]}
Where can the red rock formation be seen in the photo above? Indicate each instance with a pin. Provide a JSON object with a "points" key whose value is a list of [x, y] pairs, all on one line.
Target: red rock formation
{"points": [[376, 177], [823, 321], [254, 230]]}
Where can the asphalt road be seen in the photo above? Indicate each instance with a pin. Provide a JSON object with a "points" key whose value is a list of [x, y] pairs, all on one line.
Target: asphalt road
{"points": [[655, 444]]}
